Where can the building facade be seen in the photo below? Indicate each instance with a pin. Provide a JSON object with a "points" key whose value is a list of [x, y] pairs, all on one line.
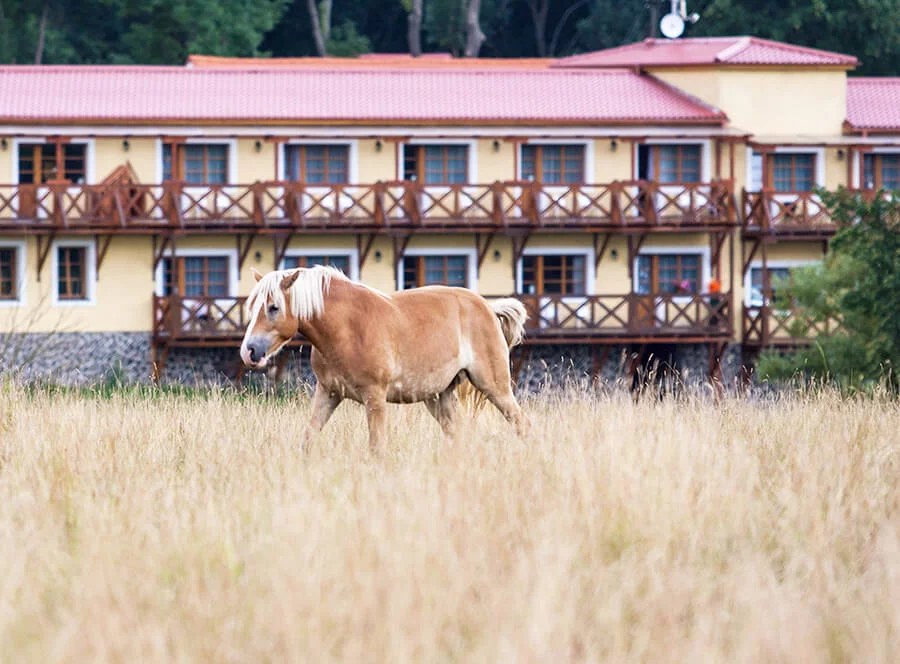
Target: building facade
{"points": [[640, 201]]}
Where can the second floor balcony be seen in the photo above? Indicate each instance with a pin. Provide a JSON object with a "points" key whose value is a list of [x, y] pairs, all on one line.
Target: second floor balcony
{"points": [[382, 206], [769, 212]]}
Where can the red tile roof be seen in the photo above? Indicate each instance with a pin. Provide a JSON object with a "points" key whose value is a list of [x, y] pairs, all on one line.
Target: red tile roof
{"points": [[873, 104], [723, 51], [372, 61], [158, 95]]}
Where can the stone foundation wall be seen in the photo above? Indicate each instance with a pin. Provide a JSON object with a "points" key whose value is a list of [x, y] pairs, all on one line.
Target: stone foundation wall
{"points": [[86, 358]]}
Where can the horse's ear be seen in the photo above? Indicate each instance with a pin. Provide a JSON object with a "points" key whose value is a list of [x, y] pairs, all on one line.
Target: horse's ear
{"points": [[256, 274], [288, 280]]}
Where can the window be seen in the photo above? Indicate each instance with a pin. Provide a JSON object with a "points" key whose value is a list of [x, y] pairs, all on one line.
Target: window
{"points": [[196, 163], [9, 278], [792, 172], [554, 275], [553, 164], [317, 164], [669, 164], [44, 162], [668, 273], [777, 275], [434, 270], [342, 263], [196, 276], [881, 171], [71, 266], [436, 164]]}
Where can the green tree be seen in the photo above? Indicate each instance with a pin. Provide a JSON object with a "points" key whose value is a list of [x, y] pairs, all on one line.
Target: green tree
{"points": [[858, 286]]}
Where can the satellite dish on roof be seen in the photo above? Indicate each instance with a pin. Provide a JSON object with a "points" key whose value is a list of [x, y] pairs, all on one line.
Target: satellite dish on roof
{"points": [[672, 26]]}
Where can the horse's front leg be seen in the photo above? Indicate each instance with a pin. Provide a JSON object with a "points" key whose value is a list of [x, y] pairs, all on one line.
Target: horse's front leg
{"points": [[323, 405], [376, 416]]}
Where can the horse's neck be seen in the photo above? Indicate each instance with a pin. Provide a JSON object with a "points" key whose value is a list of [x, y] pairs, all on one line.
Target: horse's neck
{"points": [[342, 304]]}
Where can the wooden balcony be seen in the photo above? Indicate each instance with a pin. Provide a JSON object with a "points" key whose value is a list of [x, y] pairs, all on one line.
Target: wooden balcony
{"points": [[771, 327], [210, 321], [791, 215], [277, 207]]}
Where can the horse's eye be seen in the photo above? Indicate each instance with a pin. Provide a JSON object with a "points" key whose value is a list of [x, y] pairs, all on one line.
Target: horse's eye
{"points": [[273, 309]]}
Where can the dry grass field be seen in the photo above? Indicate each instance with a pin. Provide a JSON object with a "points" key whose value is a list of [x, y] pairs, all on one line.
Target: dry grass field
{"points": [[177, 528]]}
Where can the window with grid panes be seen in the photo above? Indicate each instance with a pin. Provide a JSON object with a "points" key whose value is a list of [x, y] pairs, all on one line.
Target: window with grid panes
{"points": [[777, 275], [41, 162], [554, 275], [668, 273], [434, 271], [342, 263], [677, 164], [8, 276], [71, 273], [792, 172], [196, 276], [196, 163], [553, 164], [318, 164], [881, 171], [436, 164]]}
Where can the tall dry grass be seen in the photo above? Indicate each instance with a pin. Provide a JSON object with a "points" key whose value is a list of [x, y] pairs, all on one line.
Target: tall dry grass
{"points": [[185, 529]]}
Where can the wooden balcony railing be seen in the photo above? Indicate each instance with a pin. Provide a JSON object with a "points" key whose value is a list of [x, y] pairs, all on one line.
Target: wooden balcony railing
{"points": [[279, 206], [788, 214], [768, 326], [582, 318]]}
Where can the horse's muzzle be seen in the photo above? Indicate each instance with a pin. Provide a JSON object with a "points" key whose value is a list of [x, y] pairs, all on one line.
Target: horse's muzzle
{"points": [[254, 351]]}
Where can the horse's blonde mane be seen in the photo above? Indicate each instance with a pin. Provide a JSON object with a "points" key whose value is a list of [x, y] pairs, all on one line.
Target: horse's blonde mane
{"points": [[307, 292]]}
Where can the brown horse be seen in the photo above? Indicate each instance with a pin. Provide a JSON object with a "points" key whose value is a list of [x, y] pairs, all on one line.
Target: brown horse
{"points": [[373, 348]]}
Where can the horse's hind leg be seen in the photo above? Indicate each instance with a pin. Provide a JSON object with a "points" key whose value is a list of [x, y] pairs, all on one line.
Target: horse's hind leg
{"points": [[445, 409], [493, 379]]}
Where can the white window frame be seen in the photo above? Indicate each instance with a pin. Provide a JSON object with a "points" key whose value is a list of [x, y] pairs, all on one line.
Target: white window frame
{"points": [[21, 281], [705, 156], [471, 263], [90, 278], [705, 266], [231, 254], [231, 143], [588, 144], [90, 158], [590, 269], [782, 263], [471, 155], [352, 157], [352, 254], [859, 170]]}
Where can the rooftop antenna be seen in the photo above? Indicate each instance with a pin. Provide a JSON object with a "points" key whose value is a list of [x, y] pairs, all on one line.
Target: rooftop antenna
{"points": [[672, 24]]}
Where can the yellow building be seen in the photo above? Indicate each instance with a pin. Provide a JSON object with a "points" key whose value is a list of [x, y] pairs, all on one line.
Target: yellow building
{"points": [[639, 198]]}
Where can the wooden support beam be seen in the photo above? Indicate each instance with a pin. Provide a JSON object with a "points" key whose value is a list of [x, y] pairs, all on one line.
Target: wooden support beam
{"points": [[363, 247], [716, 242], [519, 242], [600, 247], [243, 248], [634, 248], [159, 248], [748, 258], [281, 242], [102, 244], [44, 243], [483, 244], [401, 242]]}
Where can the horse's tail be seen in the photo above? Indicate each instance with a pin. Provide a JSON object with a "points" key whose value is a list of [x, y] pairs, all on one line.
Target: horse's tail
{"points": [[512, 315]]}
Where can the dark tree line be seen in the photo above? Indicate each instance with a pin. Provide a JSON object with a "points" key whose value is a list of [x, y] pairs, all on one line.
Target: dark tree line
{"points": [[166, 31]]}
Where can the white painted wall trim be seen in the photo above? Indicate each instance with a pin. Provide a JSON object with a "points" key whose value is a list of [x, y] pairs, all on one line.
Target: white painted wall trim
{"points": [[21, 280], [352, 156], [470, 143], [588, 144], [702, 250], [90, 282], [90, 156], [352, 254], [231, 254], [590, 270], [471, 263], [757, 264]]}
